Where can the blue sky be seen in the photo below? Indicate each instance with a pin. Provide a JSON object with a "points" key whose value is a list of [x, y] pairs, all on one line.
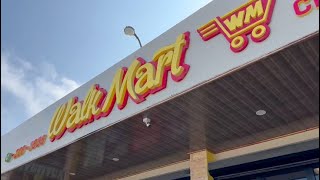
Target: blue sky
{"points": [[49, 48]]}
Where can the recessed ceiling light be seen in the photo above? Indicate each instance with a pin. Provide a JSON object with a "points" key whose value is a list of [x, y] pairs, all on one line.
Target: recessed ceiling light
{"points": [[115, 159], [261, 112], [72, 174]]}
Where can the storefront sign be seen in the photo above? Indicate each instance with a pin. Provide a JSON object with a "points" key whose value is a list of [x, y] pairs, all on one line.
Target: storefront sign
{"points": [[305, 7], [208, 59], [251, 18], [136, 82]]}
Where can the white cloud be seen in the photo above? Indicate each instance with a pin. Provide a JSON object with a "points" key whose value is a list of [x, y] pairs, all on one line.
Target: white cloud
{"points": [[35, 86]]}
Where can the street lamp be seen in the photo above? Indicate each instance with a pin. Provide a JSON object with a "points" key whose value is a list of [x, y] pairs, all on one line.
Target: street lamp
{"points": [[128, 30]]}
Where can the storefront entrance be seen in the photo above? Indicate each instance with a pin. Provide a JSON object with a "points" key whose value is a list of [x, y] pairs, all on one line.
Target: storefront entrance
{"points": [[298, 166], [299, 174]]}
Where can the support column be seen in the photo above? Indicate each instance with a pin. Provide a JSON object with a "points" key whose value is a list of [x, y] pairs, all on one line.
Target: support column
{"points": [[72, 159], [199, 165]]}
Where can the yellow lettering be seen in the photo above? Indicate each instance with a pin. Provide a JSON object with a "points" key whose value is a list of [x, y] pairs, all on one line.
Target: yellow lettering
{"points": [[74, 118], [131, 76], [235, 21], [170, 55], [94, 109], [58, 124], [253, 12], [145, 76], [162, 52], [176, 68], [85, 110], [119, 87], [122, 83], [89, 107], [163, 62], [137, 81], [56, 117]]}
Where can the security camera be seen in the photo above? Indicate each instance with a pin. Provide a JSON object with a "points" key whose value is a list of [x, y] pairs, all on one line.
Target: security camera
{"points": [[147, 121]]}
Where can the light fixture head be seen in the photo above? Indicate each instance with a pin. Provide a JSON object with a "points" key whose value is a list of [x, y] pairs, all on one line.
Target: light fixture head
{"points": [[128, 30], [261, 112], [115, 159], [147, 121], [72, 173]]}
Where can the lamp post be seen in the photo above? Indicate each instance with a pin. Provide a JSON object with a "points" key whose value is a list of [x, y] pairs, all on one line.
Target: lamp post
{"points": [[128, 30]]}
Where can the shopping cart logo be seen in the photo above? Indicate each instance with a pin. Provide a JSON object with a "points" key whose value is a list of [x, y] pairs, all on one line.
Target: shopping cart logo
{"points": [[250, 18]]}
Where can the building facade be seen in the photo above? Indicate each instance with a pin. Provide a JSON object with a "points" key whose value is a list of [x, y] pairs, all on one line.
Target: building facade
{"points": [[231, 92]]}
